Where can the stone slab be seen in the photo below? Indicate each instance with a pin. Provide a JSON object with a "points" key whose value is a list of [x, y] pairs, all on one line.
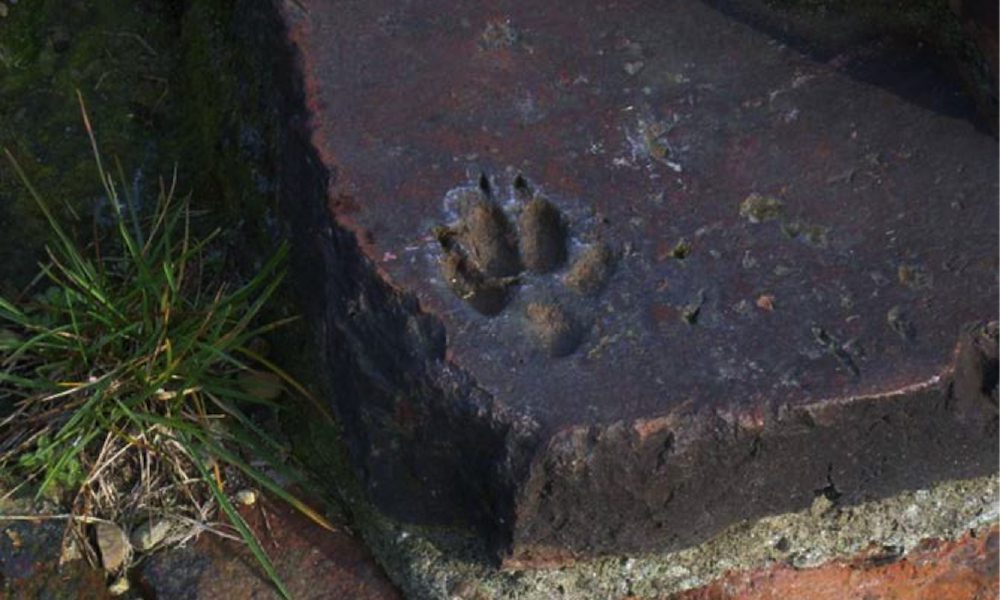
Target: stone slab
{"points": [[611, 277]]}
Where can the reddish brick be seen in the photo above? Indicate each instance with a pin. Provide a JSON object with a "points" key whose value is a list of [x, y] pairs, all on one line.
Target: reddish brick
{"points": [[312, 562], [961, 570]]}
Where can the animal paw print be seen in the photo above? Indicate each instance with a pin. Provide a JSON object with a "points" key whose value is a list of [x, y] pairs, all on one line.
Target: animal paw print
{"points": [[493, 247]]}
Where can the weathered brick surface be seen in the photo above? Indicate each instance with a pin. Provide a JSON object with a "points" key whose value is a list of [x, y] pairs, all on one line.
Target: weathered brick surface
{"points": [[966, 569], [314, 563], [793, 253]]}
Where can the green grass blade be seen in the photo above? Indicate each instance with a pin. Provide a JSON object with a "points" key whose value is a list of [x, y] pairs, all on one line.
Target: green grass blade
{"points": [[130, 205], [40, 341], [266, 482], [240, 524]]}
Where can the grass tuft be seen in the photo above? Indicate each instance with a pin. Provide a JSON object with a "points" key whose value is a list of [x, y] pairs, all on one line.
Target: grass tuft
{"points": [[121, 371]]}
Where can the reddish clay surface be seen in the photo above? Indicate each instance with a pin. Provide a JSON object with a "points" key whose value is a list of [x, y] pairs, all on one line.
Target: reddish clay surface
{"points": [[313, 562], [963, 570]]}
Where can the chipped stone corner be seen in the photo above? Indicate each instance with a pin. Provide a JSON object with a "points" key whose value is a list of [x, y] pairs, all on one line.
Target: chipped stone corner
{"points": [[427, 564]]}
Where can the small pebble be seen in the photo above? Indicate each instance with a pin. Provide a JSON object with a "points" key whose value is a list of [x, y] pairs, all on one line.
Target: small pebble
{"points": [[114, 546], [766, 302], [119, 587], [150, 534], [246, 497], [15, 538], [70, 552]]}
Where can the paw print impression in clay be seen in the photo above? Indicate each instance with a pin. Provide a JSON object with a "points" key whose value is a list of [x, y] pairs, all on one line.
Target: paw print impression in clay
{"points": [[496, 245]]}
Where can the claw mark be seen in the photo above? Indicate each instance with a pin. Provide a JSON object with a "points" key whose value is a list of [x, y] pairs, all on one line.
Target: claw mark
{"points": [[485, 187], [522, 191]]}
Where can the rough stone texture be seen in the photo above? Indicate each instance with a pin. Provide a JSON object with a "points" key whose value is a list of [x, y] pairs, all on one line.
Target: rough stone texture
{"points": [[313, 563], [426, 566], [685, 406], [962, 570], [29, 561]]}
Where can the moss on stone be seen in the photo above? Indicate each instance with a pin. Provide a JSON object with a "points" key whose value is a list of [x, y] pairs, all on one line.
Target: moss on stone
{"points": [[165, 84], [107, 49], [226, 128]]}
